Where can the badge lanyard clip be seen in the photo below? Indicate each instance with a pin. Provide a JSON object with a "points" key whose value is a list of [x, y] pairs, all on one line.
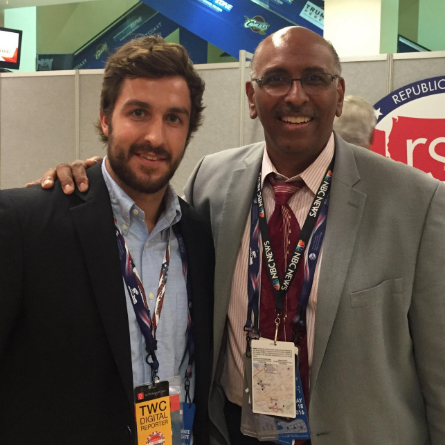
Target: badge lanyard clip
{"points": [[277, 325], [252, 333]]}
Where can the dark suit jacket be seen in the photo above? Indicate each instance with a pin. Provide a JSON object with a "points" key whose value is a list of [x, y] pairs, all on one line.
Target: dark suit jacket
{"points": [[65, 362]]}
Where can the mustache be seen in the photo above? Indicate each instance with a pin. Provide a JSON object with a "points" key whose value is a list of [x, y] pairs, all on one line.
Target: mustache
{"points": [[290, 109], [148, 148]]}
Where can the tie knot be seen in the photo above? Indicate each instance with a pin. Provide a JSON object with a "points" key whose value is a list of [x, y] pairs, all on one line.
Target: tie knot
{"points": [[284, 190]]}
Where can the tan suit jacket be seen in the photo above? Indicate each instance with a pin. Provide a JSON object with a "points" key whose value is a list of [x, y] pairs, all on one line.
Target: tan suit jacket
{"points": [[378, 371]]}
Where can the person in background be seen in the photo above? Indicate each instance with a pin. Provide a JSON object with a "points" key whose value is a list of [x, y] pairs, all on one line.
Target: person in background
{"points": [[357, 121], [366, 306], [86, 312]]}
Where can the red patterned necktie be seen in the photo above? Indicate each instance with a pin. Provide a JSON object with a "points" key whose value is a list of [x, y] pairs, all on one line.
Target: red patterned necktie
{"points": [[284, 232]]}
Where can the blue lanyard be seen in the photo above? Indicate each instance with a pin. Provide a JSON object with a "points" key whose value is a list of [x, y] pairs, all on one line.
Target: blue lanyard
{"points": [[254, 277], [190, 341], [139, 302], [313, 232], [310, 264]]}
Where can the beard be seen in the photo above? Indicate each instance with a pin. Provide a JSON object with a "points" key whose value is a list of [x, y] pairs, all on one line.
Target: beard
{"points": [[119, 157]]}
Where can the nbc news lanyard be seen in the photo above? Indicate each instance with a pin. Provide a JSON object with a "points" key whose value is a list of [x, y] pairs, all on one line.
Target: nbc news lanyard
{"points": [[136, 292], [314, 226]]}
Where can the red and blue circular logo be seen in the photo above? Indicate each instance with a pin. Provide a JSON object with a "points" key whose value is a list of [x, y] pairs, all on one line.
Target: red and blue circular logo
{"points": [[156, 438], [411, 126]]}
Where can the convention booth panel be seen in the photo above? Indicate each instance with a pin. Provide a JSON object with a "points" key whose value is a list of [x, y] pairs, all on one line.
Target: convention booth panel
{"points": [[409, 68], [48, 118], [366, 78], [37, 125], [90, 83]]}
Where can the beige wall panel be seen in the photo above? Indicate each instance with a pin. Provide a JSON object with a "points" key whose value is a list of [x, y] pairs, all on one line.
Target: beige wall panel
{"points": [[366, 79], [37, 126], [89, 87], [409, 71], [38, 115], [253, 131], [220, 129]]}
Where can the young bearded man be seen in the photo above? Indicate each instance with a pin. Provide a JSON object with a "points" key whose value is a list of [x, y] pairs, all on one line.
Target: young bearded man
{"points": [[365, 306], [86, 311]]}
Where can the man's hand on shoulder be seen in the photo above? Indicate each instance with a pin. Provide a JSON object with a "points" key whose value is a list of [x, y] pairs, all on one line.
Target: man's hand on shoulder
{"points": [[70, 175]]}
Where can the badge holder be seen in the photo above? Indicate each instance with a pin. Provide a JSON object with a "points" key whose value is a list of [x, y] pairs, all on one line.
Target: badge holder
{"points": [[188, 415], [273, 402], [158, 414], [175, 409], [188, 412]]}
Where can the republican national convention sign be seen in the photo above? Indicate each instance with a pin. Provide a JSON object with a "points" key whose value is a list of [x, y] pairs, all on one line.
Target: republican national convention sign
{"points": [[411, 126]]}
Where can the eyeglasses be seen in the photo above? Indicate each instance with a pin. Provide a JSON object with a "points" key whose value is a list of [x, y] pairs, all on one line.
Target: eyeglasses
{"points": [[312, 84]]}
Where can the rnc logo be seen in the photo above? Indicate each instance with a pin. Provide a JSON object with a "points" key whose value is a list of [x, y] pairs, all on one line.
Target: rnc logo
{"points": [[257, 24], [141, 396], [411, 126], [156, 438]]}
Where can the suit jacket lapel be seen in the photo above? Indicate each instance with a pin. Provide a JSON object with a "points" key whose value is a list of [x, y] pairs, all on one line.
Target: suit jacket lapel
{"points": [[94, 223], [345, 213], [233, 219]]}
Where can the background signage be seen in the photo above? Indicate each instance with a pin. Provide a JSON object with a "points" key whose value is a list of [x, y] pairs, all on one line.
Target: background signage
{"points": [[411, 126], [140, 21], [232, 25]]}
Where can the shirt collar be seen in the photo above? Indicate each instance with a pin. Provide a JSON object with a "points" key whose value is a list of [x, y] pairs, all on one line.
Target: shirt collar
{"points": [[123, 206], [312, 176]]}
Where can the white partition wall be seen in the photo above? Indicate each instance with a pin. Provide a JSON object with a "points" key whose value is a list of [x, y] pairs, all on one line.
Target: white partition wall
{"points": [[48, 118], [37, 125], [90, 82]]}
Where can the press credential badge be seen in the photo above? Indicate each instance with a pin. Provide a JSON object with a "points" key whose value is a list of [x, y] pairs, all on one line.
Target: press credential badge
{"points": [[273, 378], [153, 417]]}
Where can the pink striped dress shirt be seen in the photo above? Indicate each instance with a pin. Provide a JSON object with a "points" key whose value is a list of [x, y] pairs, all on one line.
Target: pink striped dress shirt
{"points": [[233, 373]]}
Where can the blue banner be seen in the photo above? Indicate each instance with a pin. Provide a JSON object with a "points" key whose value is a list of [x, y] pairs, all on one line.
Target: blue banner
{"points": [[299, 12], [232, 25], [140, 21]]}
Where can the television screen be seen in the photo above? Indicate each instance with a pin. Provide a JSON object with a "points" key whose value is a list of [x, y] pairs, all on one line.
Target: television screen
{"points": [[10, 43]]}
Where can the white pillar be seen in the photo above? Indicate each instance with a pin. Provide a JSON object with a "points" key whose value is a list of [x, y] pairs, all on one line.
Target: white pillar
{"points": [[361, 27]]}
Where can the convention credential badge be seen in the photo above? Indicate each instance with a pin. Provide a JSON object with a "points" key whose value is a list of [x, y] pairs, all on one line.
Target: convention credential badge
{"points": [[153, 418], [273, 378]]}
